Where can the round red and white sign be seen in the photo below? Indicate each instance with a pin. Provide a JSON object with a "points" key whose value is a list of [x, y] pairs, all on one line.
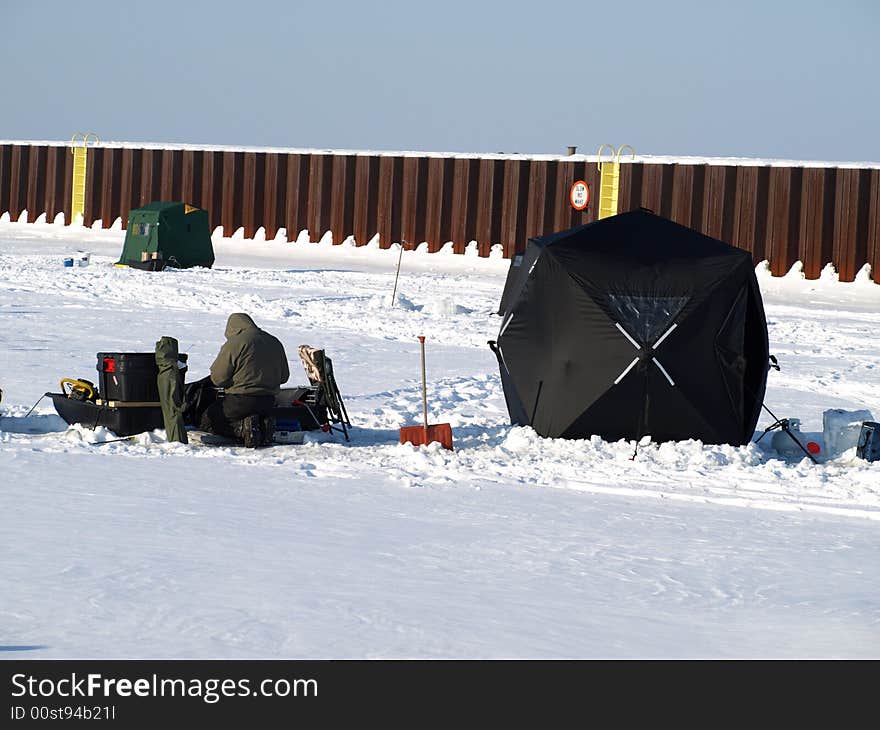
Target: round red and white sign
{"points": [[579, 195]]}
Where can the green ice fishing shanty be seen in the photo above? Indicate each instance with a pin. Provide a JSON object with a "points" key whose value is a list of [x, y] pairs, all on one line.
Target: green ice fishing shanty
{"points": [[167, 234]]}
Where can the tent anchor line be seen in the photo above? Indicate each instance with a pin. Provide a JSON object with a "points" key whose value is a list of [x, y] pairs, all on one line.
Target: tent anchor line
{"points": [[651, 350]]}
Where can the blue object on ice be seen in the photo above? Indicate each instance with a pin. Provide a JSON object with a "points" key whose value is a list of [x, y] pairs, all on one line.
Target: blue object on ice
{"points": [[69, 262], [287, 424]]}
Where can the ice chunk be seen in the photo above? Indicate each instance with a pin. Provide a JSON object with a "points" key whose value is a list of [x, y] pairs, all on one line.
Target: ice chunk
{"points": [[444, 306], [841, 429]]}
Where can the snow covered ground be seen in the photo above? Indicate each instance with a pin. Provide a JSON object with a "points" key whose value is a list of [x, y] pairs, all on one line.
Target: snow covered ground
{"points": [[509, 546]]}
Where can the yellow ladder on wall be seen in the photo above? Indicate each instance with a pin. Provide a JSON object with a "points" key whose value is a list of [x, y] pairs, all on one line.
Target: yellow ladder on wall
{"points": [[609, 181], [79, 147]]}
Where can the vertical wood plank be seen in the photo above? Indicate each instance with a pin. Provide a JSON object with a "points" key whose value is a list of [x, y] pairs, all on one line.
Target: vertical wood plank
{"points": [[249, 194], [390, 201], [490, 205], [36, 183], [342, 197], [561, 206], [514, 208], [414, 192], [873, 237], [212, 187], [652, 188], [466, 177], [384, 201], [811, 234], [271, 186], [750, 206], [5, 176], [446, 205], [782, 235], [682, 201], [187, 177], [630, 187], [230, 214], [166, 183], [714, 192], [110, 190], [205, 198], [127, 182], [50, 205], [62, 177], [745, 205], [105, 193], [320, 171], [846, 223], [550, 194], [863, 229], [68, 186], [296, 205], [536, 199], [18, 180], [438, 204], [146, 189], [366, 199]]}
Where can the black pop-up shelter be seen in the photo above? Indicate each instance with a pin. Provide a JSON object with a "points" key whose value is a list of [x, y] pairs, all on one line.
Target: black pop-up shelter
{"points": [[167, 234], [631, 326]]}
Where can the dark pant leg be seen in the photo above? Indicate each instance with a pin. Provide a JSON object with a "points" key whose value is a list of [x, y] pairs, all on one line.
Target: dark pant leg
{"points": [[222, 415], [213, 421]]}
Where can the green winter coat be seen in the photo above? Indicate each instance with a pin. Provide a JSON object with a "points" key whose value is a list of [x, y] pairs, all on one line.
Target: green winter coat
{"points": [[251, 362], [170, 389]]}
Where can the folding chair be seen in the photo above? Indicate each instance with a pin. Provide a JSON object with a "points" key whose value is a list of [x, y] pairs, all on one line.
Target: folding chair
{"points": [[324, 391]]}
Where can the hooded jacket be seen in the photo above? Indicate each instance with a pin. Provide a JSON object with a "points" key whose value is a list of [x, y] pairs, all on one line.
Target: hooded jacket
{"points": [[251, 361], [170, 384]]}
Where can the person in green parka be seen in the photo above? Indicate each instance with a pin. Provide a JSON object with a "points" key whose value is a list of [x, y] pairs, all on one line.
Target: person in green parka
{"points": [[250, 367]]}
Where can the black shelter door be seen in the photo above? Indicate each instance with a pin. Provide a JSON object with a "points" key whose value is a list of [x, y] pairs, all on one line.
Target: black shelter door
{"points": [[683, 379], [646, 321]]}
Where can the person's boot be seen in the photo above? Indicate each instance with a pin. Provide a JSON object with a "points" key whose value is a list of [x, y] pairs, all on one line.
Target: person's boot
{"points": [[250, 431], [267, 424]]}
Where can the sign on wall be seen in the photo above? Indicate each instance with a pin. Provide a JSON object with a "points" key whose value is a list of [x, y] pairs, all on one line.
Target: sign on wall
{"points": [[579, 195]]}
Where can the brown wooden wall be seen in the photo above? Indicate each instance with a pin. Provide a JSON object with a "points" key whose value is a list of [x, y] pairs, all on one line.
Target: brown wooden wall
{"points": [[782, 214]]}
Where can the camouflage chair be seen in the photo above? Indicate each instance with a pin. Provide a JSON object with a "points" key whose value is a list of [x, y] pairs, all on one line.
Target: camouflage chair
{"points": [[325, 391]]}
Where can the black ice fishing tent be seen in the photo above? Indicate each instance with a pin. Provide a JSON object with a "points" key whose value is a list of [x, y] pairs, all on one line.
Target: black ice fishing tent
{"points": [[631, 326]]}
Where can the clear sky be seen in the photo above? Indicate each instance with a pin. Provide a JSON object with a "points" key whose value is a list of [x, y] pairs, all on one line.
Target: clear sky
{"points": [[778, 78]]}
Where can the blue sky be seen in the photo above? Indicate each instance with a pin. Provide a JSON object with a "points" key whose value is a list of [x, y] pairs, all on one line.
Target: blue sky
{"points": [[759, 79]]}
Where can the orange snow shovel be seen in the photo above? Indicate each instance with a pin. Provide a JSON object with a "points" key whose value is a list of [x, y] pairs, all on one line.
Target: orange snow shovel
{"points": [[419, 435]]}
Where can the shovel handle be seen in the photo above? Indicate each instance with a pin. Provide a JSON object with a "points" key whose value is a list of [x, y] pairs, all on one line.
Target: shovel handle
{"points": [[424, 386]]}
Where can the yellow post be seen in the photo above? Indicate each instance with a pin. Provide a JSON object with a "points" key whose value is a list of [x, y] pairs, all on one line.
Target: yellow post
{"points": [[608, 184], [609, 181], [79, 147]]}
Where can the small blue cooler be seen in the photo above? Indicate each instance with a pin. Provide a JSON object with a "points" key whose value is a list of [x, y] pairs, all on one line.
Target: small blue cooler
{"points": [[287, 424]]}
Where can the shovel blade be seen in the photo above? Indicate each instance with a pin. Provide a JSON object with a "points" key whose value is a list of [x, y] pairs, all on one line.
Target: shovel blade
{"points": [[421, 436]]}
